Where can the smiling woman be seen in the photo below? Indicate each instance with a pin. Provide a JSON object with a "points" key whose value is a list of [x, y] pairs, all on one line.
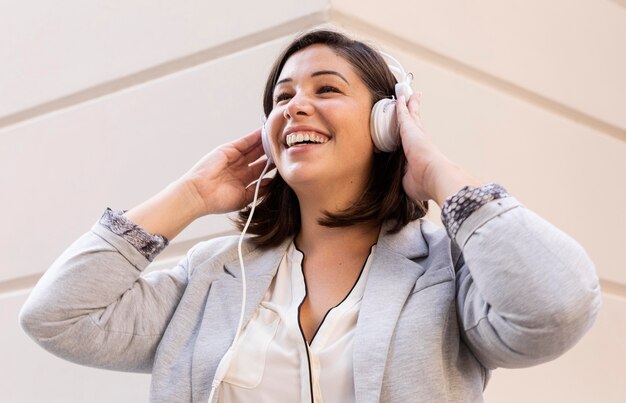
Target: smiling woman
{"points": [[351, 295], [340, 79]]}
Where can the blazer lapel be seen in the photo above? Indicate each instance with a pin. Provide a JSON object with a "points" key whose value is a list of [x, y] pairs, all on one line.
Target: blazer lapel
{"points": [[260, 267], [391, 279], [221, 321]]}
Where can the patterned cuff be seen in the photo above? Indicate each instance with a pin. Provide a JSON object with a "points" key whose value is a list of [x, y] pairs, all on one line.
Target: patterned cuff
{"points": [[148, 245], [461, 205]]}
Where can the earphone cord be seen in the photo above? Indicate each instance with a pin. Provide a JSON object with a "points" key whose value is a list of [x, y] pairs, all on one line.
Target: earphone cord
{"points": [[225, 363]]}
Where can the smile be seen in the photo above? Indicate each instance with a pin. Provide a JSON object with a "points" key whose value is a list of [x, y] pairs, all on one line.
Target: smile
{"points": [[301, 138]]}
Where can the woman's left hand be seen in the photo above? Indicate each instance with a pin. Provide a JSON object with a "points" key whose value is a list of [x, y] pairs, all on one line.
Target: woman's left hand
{"points": [[430, 174]]}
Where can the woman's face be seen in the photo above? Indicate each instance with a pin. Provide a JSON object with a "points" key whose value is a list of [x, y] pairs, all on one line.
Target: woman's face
{"points": [[319, 126]]}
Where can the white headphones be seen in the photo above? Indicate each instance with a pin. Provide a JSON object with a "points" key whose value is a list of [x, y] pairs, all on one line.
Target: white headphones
{"points": [[266, 142], [383, 120]]}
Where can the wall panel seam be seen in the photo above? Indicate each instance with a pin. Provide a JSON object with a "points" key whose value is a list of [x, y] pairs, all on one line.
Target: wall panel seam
{"points": [[164, 69], [480, 76]]}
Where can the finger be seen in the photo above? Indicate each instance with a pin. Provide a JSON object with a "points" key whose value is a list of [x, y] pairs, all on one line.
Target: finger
{"points": [[255, 170], [263, 186], [248, 143], [246, 150], [414, 107], [414, 104], [255, 153], [264, 183], [401, 107], [409, 121], [258, 166], [404, 113]]}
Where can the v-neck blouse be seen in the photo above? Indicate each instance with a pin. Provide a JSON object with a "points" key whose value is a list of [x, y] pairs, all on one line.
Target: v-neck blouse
{"points": [[272, 361]]}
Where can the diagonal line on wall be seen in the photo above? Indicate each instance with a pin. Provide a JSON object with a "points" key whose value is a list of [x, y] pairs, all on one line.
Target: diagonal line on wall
{"points": [[620, 2], [19, 283], [166, 68], [613, 288], [356, 24], [172, 254]]}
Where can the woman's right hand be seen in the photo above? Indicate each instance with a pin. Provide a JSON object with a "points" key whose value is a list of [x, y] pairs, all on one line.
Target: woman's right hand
{"points": [[429, 174], [218, 183]]}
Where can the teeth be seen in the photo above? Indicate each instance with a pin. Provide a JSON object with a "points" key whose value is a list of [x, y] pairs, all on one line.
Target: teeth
{"points": [[295, 139]]}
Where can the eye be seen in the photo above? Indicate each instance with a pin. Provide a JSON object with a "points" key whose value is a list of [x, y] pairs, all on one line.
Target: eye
{"points": [[328, 88], [283, 96]]}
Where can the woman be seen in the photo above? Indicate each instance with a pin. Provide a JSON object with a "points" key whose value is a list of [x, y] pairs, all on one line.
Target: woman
{"points": [[351, 296]]}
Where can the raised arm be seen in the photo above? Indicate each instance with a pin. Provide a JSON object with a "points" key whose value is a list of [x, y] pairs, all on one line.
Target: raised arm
{"points": [[93, 305], [526, 292], [218, 183]]}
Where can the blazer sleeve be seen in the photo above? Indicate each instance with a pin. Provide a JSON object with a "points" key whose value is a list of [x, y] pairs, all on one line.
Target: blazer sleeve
{"points": [[526, 292], [94, 307]]}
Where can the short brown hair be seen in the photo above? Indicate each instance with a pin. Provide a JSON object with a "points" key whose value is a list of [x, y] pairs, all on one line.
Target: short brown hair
{"points": [[277, 215]]}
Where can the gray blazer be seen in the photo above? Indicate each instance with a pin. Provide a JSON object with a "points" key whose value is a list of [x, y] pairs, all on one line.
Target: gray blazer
{"points": [[436, 316]]}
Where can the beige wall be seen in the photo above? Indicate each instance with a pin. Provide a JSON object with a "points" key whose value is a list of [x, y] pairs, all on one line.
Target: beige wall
{"points": [[103, 103]]}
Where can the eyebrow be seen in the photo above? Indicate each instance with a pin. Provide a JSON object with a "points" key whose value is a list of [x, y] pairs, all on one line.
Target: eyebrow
{"points": [[317, 73]]}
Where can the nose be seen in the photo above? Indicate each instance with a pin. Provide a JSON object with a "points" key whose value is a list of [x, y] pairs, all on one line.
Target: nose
{"points": [[298, 105]]}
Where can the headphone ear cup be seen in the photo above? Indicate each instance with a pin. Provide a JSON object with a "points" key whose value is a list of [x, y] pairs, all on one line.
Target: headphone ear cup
{"points": [[266, 144], [384, 125]]}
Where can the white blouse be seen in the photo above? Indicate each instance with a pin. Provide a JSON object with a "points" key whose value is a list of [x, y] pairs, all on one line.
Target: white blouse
{"points": [[272, 361]]}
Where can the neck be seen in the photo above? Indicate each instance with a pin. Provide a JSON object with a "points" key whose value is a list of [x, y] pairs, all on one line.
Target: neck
{"points": [[314, 237], [314, 201], [317, 196]]}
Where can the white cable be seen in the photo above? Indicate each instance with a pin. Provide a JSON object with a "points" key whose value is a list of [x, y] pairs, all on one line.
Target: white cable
{"points": [[224, 364], [241, 237]]}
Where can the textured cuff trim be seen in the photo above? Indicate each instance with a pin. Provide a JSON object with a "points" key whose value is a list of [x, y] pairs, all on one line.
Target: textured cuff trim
{"points": [[461, 205], [149, 245]]}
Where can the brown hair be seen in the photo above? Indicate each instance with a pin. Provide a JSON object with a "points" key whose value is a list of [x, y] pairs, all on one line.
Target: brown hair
{"points": [[277, 215]]}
